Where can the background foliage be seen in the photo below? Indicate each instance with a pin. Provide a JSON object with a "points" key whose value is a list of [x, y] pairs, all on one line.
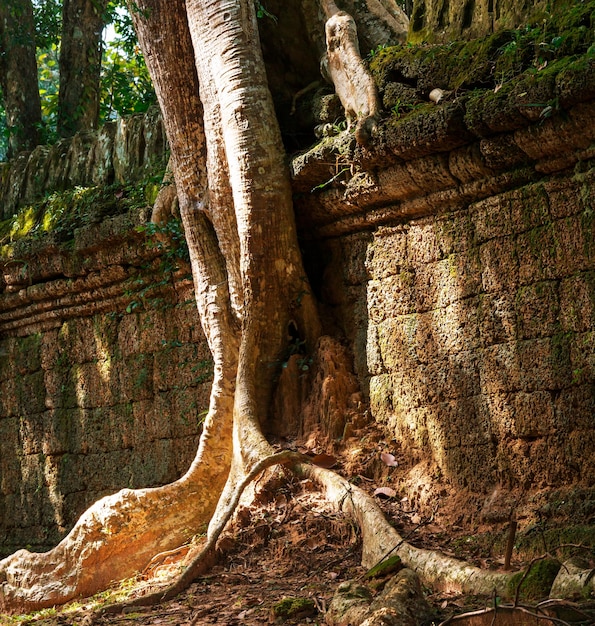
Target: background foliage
{"points": [[125, 84]]}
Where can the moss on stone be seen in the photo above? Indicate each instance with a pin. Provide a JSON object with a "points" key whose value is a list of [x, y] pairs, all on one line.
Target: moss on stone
{"points": [[551, 54], [290, 607], [62, 212], [537, 582]]}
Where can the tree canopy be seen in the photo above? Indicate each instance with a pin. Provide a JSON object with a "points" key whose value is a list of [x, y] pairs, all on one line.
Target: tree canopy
{"points": [[120, 85]]}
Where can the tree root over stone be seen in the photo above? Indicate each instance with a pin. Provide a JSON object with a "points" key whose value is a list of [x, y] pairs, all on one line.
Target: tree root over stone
{"points": [[379, 539]]}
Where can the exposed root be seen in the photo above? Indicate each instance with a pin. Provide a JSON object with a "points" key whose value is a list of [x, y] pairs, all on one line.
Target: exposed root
{"points": [[511, 615], [436, 570], [344, 67], [119, 534], [206, 555], [378, 539]]}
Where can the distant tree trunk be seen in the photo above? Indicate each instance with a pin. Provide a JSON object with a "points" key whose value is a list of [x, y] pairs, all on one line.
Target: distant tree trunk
{"points": [[18, 75], [80, 65]]}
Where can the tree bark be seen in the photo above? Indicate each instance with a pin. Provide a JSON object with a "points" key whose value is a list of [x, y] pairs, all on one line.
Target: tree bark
{"points": [[118, 535], [18, 75], [80, 65], [250, 288]]}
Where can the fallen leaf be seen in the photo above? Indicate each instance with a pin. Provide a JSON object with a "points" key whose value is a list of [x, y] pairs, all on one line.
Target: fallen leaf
{"points": [[385, 492], [324, 460], [389, 459]]}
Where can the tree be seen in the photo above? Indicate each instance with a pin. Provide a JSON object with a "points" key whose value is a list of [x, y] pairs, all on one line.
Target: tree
{"points": [[251, 289], [18, 75], [80, 65]]}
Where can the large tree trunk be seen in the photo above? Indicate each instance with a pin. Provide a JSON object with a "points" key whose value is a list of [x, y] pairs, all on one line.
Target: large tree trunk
{"points": [[120, 534], [18, 75], [246, 331], [250, 288], [80, 65]]}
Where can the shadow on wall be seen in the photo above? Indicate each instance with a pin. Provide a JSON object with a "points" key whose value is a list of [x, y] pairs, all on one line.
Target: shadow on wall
{"points": [[98, 404], [473, 332]]}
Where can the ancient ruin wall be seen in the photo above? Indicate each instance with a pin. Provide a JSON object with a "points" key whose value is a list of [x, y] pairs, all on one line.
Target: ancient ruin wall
{"points": [[445, 20], [104, 372], [474, 330], [460, 261], [103, 385]]}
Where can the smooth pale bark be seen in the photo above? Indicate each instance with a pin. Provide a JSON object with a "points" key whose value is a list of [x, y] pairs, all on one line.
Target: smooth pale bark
{"points": [[18, 75], [250, 284], [119, 534], [80, 65], [229, 61], [380, 540]]}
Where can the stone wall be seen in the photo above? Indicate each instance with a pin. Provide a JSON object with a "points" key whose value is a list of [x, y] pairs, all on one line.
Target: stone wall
{"points": [[445, 20], [458, 254], [121, 151], [474, 332], [104, 377]]}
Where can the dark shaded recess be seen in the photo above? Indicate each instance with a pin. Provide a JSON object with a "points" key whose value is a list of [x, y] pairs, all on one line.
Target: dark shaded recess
{"points": [[468, 10], [396, 76], [443, 15], [292, 63], [315, 257], [419, 17]]}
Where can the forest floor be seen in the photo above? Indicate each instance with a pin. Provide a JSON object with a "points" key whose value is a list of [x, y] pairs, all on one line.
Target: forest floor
{"points": [[283, 557]]}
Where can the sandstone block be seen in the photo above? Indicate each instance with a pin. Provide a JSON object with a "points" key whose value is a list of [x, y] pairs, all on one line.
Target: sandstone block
{"points": [[388, 250], [351, 254], [491, 218], [500, 368], [582, 357], [545, 363], [135, 375], [538, 310], [533, 414], [574, 408], [454, 232], [151, 418], [31, 433], [374, 364], [499, 265], [397, 340], [496, 318], [577, 302], [497, 411], [394, 295], [422, 243]]}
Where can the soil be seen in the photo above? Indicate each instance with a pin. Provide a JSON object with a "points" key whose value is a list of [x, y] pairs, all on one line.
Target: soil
{"points": [[283, 556]]}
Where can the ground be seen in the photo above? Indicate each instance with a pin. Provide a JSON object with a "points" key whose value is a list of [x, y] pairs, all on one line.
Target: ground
{"points": [[289, 551]]}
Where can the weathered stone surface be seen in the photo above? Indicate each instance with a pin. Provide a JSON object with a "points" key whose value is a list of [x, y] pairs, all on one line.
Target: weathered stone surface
{"points": [[478, 326], [400, 603], [103, 385], [443, 20], [122, 151]]}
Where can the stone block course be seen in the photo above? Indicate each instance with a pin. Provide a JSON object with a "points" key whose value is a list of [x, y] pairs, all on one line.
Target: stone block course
{"points": [[488, 358], [99, 401], [538, 310]]}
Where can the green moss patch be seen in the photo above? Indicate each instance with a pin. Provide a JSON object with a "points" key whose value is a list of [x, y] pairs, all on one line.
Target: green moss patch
{"points": [[538, 582], [59, 214], [549, 59], [294, 607]]}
